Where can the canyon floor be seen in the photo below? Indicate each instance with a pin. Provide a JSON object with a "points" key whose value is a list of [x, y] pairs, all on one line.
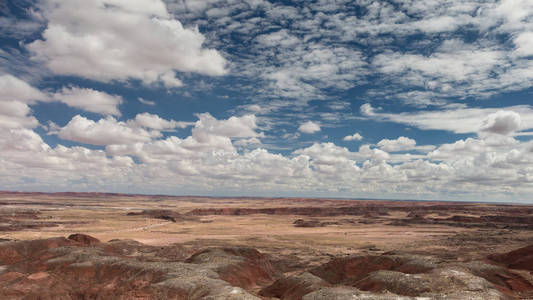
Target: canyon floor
{"points": [[116, 246]]}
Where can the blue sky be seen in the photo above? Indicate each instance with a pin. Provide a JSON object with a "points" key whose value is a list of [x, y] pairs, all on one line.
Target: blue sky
{"points": [[382, 99]]}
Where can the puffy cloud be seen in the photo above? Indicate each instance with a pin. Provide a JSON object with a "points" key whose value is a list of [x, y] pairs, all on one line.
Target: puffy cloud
{"points": [[354, 137], [524, 44], [169, 80], [234, 127], [25, 154], [21, 140], [462, 119], [208, 161], [143, 128], [107, 131], [15, 114], [309, 127], [501, 122], [400, 144], [330, 159], [463, 150], [208, 134], [152, 121], [130, 40], [15, 95], [331, 154], [326, 152], [367, 109], [251, 142], [375, 154], [15, 89], [193, 146], [89, 100]]}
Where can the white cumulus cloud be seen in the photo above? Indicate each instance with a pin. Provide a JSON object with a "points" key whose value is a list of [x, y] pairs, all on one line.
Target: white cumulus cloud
{"points": [[400, 144], [502, 122], [89, 100], [15, 89], [106, 131], [354, 137], [309, 127], [463, 119], [15, 97], [108, 40]]}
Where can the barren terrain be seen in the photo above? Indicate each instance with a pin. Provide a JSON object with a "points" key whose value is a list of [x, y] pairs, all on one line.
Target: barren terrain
{"points": [[160, 247]]}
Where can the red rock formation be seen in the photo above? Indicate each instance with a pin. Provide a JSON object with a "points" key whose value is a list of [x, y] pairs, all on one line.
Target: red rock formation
{"points": [[83, 268], [518, 259]]}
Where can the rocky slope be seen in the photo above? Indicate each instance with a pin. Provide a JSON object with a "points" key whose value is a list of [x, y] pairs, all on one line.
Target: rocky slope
{"points": [[82, 267], [79, 267]]}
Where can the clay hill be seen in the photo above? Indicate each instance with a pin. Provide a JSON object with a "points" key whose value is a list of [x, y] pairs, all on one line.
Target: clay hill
{"points": [[82, 267]]}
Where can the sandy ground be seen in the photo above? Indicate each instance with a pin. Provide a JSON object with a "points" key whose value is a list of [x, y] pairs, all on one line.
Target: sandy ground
{"points": [[105, 217]]}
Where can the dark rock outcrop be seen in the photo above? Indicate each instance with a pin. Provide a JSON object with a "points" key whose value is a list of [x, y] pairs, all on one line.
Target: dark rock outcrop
{"points": [[294, 287], [163, 214], [518, 259], [84, 239]]}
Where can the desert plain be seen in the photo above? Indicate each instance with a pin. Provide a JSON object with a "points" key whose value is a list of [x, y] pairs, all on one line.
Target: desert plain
{"points": [[120, 246]]}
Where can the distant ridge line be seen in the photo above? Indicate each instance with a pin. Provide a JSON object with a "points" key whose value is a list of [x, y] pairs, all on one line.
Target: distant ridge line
{"points": [[133, 195]]}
